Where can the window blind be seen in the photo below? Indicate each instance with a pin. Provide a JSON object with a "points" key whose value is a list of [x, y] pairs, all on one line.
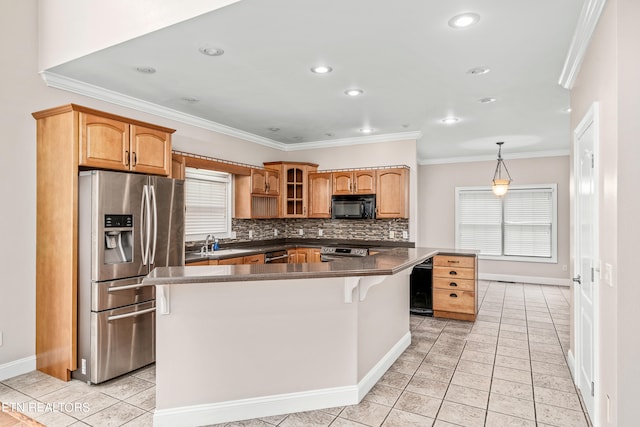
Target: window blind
{"points": [[207, 201], [520, 224]]}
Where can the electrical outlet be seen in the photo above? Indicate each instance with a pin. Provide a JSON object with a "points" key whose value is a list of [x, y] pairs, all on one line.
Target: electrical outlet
{"points": [[301, 232], [320, 232], [1, 338], [392, 234], [275, 232], [233, 235], [83, 367], [405, 234], [251, 234]]}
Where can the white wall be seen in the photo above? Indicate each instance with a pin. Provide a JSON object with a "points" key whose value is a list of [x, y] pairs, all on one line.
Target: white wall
{"points": [[436, 198], [70, 29], [609, 75]]}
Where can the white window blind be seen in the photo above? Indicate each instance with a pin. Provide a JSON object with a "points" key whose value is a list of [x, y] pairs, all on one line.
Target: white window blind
{"points": [[208, 203], [519, 226]]}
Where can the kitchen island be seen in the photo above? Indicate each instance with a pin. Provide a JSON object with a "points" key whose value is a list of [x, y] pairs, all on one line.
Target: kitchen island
{"points": [[245, 341]]}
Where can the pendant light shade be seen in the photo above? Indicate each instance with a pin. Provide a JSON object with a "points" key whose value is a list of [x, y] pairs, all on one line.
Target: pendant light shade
{"points": [[500, 184]]}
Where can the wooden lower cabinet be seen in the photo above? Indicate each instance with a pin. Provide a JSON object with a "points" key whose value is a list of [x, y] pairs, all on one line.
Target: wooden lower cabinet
{"points": [[200, 262], [249, 259], [300, 255], [455, 293], [253, 259]]}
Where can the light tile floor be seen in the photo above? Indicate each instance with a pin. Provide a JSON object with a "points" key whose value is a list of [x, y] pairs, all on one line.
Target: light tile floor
{"points": [[506, 369]]}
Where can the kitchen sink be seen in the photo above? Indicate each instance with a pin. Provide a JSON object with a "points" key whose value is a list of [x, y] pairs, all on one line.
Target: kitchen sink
{"points": [[229, 251]]}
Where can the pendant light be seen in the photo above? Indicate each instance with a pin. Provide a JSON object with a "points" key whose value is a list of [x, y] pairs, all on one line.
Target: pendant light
{"points": [[500, 185]]}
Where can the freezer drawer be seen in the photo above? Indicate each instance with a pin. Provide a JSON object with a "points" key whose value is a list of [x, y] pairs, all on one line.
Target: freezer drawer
{"points": [[119, 293], [122, 340]]}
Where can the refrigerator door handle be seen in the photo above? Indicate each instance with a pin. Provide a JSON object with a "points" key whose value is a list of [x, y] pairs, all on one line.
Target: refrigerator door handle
{"points": [[154, 203], [132, 314], [144, 225]]}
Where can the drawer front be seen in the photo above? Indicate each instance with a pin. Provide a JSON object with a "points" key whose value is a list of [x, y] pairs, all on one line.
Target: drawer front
{"points": [[454, 261], [454, 301], [454, 284], [454, 272]]}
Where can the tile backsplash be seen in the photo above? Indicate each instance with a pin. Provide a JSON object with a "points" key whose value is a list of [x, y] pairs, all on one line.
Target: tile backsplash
{"points": [[362, 229]]}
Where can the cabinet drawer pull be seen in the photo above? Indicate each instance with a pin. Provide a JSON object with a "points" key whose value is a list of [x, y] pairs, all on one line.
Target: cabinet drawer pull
{"points": [[453, 295], [126, 158], [135, 159], [453, 261], [453, 284], [453, 273]]}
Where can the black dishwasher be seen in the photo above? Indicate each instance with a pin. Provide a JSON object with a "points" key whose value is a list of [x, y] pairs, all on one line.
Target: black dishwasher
{"points": [[420, 289]]}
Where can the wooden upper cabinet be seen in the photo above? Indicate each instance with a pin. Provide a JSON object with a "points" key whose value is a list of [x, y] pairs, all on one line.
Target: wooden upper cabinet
{"points": [[108, 142], [320, 195], [392, 196], [264, 181], [358, 182], [178, 166], [293, 187], [150, 151]]}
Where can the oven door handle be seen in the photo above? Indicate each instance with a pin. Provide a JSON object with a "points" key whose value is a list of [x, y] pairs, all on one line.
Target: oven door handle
{"points": [[276, 258], [132, 314], [122, 288]]}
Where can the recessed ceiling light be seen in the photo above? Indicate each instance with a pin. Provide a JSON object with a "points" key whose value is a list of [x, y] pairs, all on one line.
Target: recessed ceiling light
{"points": [[211, 51], [567, 110], [322, 69], [464, 20], [450, 120], [146, 70], [329, 134], [476, 71], [366, 130], [298, 138], [274, 129], [354, 92], [487, 100], [190, 100], [406, 125]]}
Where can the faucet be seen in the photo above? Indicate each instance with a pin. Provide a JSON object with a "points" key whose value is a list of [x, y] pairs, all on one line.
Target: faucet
{"points": [[206, 243]]}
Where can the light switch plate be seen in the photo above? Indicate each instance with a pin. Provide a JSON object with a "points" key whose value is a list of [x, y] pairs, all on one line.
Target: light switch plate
{"points": [[405, 234], [301, 232], [251, 234], [392, 234], [275, 232], [320, 232]]}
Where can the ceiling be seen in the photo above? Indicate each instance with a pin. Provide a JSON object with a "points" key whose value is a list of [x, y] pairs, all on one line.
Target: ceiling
{"points": [[412, 66]]}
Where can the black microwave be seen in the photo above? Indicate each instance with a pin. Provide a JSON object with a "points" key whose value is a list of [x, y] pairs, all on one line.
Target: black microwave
{"points": [[353, 207]]}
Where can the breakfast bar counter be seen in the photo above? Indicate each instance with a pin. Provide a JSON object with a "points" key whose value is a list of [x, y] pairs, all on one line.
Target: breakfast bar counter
{"points": [[246, 341]]}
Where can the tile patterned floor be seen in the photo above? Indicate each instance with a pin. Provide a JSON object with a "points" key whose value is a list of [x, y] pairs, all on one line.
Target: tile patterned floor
{"points": [[506, 369]]}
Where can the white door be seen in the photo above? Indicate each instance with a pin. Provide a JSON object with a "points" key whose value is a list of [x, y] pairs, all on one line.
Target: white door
{"points": [[585, 251]]}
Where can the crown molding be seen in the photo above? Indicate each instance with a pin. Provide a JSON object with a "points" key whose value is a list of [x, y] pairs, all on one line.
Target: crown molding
{"points": [[484, 158], [587, 22], [76, 86], [371, 139], [72, 85]]}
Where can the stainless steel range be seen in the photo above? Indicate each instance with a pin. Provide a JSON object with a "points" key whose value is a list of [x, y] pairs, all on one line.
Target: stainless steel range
{"points": [[332, 253]]}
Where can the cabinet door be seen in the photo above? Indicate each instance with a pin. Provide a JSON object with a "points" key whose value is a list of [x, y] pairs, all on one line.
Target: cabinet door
{"points": [[392, 193], [253, 259], [313, 255], [293, 256], [319, 195], [150, 150], [364, 182], [231, 261], [258, 181], [342, 183], [295, 197], [104, 143], [273, 183]]}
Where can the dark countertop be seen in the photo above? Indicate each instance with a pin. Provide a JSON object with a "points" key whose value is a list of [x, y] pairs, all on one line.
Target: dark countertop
{"points": [[264, 246], [386, 262]]}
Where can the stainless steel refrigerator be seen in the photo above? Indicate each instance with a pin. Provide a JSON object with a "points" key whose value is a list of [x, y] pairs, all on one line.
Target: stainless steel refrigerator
{"points": [[128, 224]]}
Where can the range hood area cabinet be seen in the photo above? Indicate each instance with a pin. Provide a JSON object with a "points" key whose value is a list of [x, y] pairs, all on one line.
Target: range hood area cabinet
{"points": [[70, 137], [294, 178], [354, 182]]}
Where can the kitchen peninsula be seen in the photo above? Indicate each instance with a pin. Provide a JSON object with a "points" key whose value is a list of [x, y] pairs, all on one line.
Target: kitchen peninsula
{"points": [[244, 341]]}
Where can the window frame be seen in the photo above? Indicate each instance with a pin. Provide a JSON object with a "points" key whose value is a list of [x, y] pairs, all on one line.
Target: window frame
{"points": [[553, 259], [229, 211]]}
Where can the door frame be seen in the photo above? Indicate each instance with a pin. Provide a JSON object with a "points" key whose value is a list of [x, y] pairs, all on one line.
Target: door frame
{"points": [[591, 118]]}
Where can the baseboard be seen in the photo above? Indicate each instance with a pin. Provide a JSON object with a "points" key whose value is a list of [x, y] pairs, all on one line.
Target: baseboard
{"points": [[17, 367], [536, 280], [571, 361], [266, 406], [372, 377]]}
